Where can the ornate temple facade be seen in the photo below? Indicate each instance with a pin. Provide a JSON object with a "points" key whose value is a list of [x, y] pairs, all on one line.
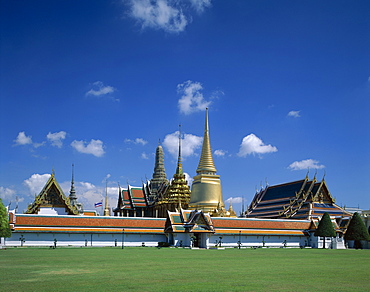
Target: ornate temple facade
{"points": [[133, 202], [52, 200], [304, 199]]}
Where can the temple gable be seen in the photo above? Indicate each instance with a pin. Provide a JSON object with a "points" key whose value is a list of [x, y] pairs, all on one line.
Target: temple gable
{"points": [[52, 200], [188, 221]]}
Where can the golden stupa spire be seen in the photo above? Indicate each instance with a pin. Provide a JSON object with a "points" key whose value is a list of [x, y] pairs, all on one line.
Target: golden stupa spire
{"points": [[179, 160], [106, 208], [206, 192], [206, 164]]}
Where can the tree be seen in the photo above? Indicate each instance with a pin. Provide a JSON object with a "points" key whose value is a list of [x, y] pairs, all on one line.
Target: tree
{"points": [[325, 228], [4, 222], [356, 230]]}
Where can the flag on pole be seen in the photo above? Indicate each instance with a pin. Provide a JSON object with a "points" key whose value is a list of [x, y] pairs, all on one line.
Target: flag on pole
{"points": [[99, 204]]}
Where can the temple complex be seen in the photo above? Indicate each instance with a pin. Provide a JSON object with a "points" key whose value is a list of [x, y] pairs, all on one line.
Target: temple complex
{"points": [[163, 213]]}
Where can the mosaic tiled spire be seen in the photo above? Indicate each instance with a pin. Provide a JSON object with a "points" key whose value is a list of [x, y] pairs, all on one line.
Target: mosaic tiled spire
{"points": [[159, 175], [72, 192]]}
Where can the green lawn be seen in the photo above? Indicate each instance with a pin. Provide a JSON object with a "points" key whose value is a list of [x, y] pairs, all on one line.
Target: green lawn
{"points": [[170, 269]]}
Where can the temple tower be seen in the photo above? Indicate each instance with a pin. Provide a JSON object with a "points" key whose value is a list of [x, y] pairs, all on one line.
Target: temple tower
{"points": [[206, 194], [72, 193], [106, 206], [159, 175], [177, 195]]}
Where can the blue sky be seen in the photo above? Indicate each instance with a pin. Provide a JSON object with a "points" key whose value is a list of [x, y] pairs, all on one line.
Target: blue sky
{"points": [[99, 83]]}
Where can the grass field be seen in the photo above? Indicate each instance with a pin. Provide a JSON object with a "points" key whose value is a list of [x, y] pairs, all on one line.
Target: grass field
{"points": [[152, 269]]}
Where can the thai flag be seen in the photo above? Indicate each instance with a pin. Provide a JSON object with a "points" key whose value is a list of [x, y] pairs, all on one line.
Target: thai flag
{"points": [[100, 204]]}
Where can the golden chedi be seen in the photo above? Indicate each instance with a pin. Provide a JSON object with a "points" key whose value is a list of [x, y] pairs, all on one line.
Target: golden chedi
{"points": [[206, 193]]}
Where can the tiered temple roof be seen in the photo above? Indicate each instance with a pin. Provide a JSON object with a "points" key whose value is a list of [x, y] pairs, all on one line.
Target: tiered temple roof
{"points": [[303, 199], [188, 221], [132, 201], [53, 198]]}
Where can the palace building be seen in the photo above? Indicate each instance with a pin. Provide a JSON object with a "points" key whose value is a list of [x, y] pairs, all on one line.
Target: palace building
{"points": [[168, 213], [303, 199]]}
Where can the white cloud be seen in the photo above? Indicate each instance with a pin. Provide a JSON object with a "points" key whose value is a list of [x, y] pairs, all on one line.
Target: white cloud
{"points": [[159, 14], [37, 145], [200, 5], [22, 139], [220, 153], [95, 147], [305, 164], [294, 114], [189, 143], [172, 16], [56, 139], [88, 194], [251, 144], [188, 178], [235, 200], [144, 156], [106, 178], [192, 99], [100, 90], [137, 141], [36, 182], [6, 193]]}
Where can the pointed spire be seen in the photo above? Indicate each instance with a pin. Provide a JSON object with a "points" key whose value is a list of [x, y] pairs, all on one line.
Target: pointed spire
{"points": [[231, 206], [72, 192], [159, 174], [106, 209], [206, 164], [242, 206], [179, 161], [308, 172]]}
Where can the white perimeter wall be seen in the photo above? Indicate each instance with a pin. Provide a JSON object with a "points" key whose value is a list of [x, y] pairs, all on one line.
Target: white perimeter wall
{"points": [[228, 240], [84, 239]]}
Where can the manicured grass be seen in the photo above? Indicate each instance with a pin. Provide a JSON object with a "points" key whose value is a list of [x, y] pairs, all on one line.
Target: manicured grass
{"points": [[152, 269]]}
